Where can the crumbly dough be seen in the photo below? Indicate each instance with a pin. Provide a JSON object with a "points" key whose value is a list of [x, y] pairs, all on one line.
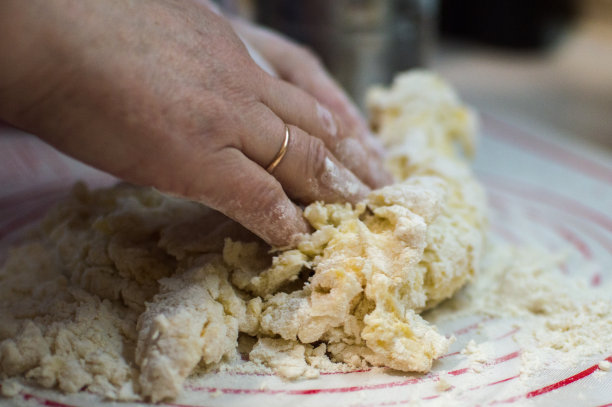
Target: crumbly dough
{"points": [[125, 291], [562, 322]]}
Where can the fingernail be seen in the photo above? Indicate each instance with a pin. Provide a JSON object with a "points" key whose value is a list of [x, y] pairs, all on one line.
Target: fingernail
{"points": [[375, 144], [301, 228], [327, 119], [343, 182], [355, 113], [285, 224], [381, 177], [369, 167]]}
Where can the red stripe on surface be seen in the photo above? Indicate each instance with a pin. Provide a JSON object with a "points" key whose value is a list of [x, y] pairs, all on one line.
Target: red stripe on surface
{"points": [[596, 280], [460, 331], [579, 223], [473, 326], [540, 195], [494, 383], [306, 392], [512, 332], [572, 238], [505, 358], [449, 354], [555, 386], [349, 389], [496, 361], [507, 334], [520, 138], [459, 371], [45, 402], [411, 401], [565, 382]]}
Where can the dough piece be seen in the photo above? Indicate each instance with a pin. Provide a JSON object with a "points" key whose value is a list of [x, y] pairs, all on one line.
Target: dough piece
{"points": [[287, 358], [195, 317], [371, 276], [405, 249]]}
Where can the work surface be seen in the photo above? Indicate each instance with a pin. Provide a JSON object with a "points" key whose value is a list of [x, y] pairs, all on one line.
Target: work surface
{"points": [[544, 192]]}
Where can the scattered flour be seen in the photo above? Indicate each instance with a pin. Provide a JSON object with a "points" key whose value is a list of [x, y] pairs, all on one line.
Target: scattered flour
{"points": [[563, 321]]}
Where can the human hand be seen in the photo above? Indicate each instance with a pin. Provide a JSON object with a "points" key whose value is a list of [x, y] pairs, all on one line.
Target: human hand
{"points": [[357, 149], [163, 93]]}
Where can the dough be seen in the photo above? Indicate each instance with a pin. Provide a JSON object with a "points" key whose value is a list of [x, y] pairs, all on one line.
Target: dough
{"points": [[124, 291]]}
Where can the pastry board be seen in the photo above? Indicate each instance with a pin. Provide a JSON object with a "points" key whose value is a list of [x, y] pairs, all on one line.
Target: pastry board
{"points": [[543, 191]]}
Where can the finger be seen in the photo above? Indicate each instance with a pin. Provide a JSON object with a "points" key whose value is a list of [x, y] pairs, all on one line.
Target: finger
{"points": [[296, 107], [320, 85], [300, 67], [245, 192], [308, 171], [304, 70]]}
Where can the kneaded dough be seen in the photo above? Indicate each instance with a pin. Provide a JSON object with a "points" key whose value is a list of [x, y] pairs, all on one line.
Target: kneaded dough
{"points": [[124, 291]]}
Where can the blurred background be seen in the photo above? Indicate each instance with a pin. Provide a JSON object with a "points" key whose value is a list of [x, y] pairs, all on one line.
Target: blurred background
{"points": [[545, 64]]}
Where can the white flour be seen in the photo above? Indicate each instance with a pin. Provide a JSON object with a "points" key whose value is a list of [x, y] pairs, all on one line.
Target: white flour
{"points": [[560, 320]]}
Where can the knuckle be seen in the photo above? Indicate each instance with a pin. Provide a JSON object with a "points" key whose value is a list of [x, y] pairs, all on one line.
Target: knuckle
{"points": [[219, 127], [267, 198], [307, 56], [317, 157], [205, 186]]}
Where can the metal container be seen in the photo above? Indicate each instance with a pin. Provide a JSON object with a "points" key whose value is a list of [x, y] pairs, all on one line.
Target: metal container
{"points": [[361, 42]]}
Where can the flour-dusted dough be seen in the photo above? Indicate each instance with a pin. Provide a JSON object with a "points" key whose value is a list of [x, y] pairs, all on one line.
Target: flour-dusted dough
{"points": [[124, 291]]}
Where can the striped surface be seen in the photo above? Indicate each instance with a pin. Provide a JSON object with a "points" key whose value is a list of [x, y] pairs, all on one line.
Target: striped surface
{"points": [[546, 192]]}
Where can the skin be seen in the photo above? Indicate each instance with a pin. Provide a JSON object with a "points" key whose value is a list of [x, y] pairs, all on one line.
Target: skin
{"points": [[163, 93]]}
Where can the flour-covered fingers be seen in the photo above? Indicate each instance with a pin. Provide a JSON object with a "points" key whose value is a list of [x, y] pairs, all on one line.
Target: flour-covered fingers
{"points": [[302, 69], [296, 107], [308, 171], [245, 192], [323, 87]]}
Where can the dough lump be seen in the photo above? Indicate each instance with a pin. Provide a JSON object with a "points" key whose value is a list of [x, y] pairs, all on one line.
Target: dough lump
{"points": [[125, 291]]}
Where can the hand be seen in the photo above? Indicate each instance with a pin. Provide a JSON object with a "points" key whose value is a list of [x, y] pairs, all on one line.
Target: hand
{"points": [[358, 149], [164, 93]]}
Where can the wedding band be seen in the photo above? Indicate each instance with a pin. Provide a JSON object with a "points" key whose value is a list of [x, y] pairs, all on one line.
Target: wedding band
{"points": [[281, 152]]}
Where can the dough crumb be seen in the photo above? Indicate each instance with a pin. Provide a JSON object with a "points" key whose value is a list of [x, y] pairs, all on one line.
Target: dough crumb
{"points": [[10, 388], [443, 385]]}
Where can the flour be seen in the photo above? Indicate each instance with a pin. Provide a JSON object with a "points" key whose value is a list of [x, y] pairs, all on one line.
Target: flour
{"points": [[478, 353], [563, 321]]}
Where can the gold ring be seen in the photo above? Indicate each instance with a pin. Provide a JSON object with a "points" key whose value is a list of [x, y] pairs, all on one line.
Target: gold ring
{"points": [[281, 152]]}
